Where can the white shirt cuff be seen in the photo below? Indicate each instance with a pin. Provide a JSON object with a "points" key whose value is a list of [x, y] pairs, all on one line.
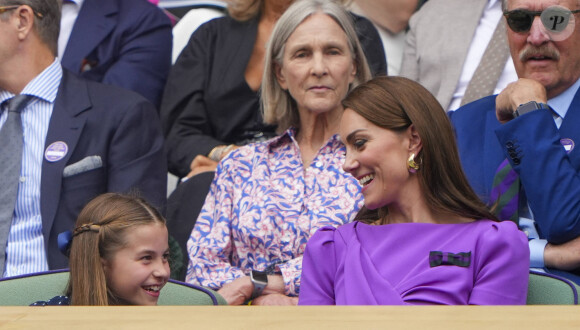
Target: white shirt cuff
{"points": [[537, 247]]}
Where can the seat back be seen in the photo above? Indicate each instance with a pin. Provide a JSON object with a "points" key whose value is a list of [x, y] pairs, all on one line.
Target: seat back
{"points": [[550, 289], [27, 289], [189, 23], [180, 293]]}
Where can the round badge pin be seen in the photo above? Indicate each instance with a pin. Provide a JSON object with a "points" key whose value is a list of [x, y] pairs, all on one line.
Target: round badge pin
{"points": [[56, 151], [568, 144]]}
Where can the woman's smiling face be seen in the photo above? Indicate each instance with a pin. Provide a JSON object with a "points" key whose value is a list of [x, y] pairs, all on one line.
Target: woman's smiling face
{"points": [[377, 157]]}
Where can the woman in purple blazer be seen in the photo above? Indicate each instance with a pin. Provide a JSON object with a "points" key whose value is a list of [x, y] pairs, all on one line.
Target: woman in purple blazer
{"points": [[423, 236]]}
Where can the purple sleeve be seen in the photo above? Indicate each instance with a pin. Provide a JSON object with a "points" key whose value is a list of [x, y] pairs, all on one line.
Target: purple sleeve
{"points": [[502, 269], [318, 269]]}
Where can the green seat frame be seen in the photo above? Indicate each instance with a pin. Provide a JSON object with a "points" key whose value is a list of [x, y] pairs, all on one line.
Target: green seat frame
{"points": [[27, 289], [550, 289]]}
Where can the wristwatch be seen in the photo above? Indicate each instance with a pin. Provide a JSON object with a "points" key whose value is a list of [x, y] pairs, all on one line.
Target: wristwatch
{"points": [[260, 280], [529, 107]]}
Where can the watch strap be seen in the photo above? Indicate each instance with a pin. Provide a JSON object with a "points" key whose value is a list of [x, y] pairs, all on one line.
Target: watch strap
{"points": [[259, 285], [529, 107]]}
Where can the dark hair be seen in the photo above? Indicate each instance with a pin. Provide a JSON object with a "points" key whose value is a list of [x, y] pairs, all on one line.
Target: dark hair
{"points": [[394, 103], [46, 19], [99, 233]]}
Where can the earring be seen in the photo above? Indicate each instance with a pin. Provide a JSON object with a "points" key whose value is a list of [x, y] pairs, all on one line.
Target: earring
{"points": [[413, 166]]}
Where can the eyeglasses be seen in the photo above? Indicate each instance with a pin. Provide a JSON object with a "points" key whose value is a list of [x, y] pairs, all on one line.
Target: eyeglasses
{"points": [[554, 18], [4, 9]]}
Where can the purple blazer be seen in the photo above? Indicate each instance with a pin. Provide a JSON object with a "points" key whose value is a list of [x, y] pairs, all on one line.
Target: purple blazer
{"points": [[479, 263]]}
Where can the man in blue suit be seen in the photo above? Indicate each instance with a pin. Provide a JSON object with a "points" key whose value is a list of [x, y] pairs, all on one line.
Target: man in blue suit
{"points": [[124, 43], [534, 124], [81, 139]]}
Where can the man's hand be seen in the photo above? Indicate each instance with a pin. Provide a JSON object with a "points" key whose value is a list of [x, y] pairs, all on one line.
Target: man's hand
{"points": [[515, 94], [275, 299], [238, 291], [563, 256], [201, 164]]}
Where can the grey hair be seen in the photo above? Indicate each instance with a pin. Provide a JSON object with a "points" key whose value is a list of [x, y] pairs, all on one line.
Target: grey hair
{"points": [[278, 107], [47, 25]]}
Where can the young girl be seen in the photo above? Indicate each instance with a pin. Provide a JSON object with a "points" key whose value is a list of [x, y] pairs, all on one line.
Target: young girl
{"points": [[119, 254]]}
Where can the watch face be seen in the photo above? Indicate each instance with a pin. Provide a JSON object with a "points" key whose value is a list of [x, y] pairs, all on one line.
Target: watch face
{"points": [[259, 276]]}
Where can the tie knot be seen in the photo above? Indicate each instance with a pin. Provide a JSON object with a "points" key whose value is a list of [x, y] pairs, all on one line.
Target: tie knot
{"points": [[18, 102]]}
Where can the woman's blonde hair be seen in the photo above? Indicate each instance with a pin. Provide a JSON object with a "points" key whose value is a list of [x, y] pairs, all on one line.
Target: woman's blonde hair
{"points": [[99, 233], [278, 106]]}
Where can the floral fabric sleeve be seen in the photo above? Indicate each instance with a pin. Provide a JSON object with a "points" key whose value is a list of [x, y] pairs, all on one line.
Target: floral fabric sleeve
{"points": [[210, 246]]}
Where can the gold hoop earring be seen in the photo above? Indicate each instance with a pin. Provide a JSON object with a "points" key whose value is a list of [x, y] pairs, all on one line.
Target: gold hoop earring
{"points": [[413, 166]]}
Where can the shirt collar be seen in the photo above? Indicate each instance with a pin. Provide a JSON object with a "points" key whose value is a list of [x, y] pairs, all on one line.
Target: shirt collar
{"points": [[43, 86], [561, 103], [76, 2], [491, 3], [291, 135]]}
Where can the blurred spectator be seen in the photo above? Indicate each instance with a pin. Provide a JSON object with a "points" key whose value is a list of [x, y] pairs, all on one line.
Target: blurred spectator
{"points": [[126, 43], [446, 44]]}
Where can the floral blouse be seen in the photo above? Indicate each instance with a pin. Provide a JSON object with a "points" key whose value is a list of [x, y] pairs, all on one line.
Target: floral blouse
{"points": [[262, 208]]}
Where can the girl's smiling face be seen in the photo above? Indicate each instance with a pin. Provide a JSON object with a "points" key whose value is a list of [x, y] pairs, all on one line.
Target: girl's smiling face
{"points": [[137, 272]]}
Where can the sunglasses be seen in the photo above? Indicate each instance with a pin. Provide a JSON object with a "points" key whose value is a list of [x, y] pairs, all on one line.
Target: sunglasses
{"points": [[554, 18], [4, 9]]}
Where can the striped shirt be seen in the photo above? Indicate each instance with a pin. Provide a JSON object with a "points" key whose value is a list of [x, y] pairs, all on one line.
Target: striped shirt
{"points": [[25, 251]]}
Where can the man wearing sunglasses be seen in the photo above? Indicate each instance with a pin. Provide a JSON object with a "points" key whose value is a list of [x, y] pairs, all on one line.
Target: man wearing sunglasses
{"points": [[527, 135], [63, 140]]}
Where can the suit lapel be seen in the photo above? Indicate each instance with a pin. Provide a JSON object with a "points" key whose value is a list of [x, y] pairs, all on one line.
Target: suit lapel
{"points": [[493, 152], [95, 22], [66, 125], [459, 30], [569, 129]]}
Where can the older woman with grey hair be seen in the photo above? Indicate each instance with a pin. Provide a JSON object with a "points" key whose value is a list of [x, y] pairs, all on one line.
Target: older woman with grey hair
{"points": [[211, 102], [268, 198]]}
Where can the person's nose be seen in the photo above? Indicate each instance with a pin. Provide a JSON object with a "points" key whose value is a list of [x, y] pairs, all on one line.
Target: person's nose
{"points": [[319, 65], [161, 269], [350, 163], [537, 34]]}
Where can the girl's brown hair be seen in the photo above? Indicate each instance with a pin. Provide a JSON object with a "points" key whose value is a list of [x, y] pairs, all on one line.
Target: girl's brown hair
{"points": [[394, 103], [99, 233]]}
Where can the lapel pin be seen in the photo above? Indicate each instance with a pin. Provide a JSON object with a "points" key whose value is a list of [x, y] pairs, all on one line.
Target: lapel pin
{"points": [[56, 151], [568, 144]]}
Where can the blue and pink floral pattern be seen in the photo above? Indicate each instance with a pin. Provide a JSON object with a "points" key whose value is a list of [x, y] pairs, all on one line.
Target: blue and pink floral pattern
{"points": [[262, 208]]}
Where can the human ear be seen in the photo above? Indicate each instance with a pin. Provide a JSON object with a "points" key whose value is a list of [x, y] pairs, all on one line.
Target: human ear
{"points": [[280, 76], [25, 19], [353, 72], [105, 265], [415, 142]]}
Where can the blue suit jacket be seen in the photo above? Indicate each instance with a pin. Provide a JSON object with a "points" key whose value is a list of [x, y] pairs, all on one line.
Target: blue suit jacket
{"points": [[117, 125], [125, 43], [549, 175]]}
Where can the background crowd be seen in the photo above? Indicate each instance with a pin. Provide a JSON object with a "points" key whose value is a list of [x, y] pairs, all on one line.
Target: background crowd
{"points": [[308, 171]]}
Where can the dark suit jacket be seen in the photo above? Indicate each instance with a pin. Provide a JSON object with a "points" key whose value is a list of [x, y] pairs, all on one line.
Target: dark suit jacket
{"points": [[548, 174], [125, 43], [98, 120]]}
